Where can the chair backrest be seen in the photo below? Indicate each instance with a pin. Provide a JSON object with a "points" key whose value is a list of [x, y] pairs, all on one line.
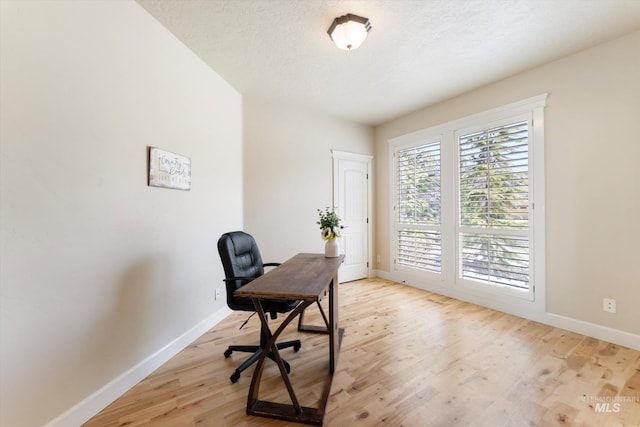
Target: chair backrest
{"points": [[240, 258]]}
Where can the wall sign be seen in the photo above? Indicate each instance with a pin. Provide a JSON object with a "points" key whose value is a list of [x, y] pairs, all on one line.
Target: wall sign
{"points": [[169, 170]]}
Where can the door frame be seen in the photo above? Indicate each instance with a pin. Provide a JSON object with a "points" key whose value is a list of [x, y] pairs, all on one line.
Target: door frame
{"points": [[364, 158]]}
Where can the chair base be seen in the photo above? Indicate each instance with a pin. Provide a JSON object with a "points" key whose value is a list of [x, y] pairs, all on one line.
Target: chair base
{"points": [[257, 351]]}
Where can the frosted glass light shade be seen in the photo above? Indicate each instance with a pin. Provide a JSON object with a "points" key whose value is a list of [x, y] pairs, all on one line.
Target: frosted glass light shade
{"points": [[349, 31]]}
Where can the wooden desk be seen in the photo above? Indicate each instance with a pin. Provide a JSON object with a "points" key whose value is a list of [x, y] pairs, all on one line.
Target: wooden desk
{"points": [[304, 277]]}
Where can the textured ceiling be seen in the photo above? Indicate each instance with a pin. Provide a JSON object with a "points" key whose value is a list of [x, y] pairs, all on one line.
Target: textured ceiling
{"points": [[418, 52]]}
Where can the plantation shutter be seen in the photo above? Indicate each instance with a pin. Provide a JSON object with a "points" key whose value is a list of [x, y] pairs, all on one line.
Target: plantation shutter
{"points": [[418, 239], [494, 205]]}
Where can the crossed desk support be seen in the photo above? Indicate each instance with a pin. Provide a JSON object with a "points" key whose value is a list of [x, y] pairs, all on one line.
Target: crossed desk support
{"points": [[309, 294]]}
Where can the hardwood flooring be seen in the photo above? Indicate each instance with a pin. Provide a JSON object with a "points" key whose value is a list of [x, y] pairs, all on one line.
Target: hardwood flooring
{"points": [[408, 358]]}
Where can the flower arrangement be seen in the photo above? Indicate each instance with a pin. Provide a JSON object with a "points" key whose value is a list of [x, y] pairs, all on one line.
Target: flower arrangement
{"points": [[329, 224]]}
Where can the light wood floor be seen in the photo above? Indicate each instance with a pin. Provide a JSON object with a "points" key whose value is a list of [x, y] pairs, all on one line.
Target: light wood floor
{"points": [[408, 358]]}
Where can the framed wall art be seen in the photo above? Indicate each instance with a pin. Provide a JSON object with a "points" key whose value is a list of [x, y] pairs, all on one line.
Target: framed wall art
{"points": [[169, 170]]}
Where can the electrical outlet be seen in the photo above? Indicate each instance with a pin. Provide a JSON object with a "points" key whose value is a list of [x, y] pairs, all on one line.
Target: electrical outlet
{"points": [[609, 305], [217, 293]]}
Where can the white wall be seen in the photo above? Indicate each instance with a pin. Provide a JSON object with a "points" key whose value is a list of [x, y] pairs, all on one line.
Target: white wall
{"points": [[288, 173], [592, 179], [98, 270]]}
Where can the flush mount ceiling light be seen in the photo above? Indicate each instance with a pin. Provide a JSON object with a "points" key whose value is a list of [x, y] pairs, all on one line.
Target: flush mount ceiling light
{"points": [[349, 31]]}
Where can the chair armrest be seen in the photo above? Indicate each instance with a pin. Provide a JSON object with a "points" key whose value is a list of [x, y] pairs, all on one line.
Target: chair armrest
{"points": [[248, 279], [271, 264], [244, 279]]}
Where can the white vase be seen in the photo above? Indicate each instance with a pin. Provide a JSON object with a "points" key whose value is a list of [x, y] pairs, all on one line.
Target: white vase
{"points": [[331, 248]]}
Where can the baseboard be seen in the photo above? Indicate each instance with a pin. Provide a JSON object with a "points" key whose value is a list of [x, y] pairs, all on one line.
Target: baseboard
{"points": [[600, 332], [94, 403]]}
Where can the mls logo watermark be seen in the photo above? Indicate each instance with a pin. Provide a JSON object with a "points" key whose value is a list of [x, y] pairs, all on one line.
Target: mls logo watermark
{"points": [[609, 404], [607, 407]]}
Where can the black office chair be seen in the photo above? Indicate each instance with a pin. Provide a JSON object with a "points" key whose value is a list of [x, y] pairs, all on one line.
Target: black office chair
{"points": [[242, 263]]}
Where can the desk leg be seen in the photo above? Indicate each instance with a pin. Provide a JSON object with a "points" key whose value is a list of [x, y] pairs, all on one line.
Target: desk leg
{"points": [[313, 328], [253, 404], [334, 334], [295, 412]]}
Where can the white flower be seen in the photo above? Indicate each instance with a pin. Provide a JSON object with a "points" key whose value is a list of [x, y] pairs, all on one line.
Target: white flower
{"points": [[326, 233], [336, 231]]}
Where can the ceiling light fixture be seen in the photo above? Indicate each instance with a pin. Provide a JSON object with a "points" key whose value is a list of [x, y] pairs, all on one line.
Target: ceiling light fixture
{"points": [[349, 31]]}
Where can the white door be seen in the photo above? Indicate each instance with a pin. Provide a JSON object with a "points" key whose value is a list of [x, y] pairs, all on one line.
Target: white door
{"points": [[351, 200]]}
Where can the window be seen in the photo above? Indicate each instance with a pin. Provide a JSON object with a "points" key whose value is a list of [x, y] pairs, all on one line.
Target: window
{"points": [[493, 196], [464, 201], [418, 207]]}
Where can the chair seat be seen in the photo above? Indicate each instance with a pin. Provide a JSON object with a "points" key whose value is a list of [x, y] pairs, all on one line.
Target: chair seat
{"points": [[269, 306]]}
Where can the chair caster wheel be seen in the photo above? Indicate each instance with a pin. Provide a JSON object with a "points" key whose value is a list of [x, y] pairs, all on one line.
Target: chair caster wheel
{"points": [[235, 377], [287, 367], [227, 353], [296, 347]]}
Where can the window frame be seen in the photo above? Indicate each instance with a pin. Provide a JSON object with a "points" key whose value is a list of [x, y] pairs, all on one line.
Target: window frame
{"points": [[396, 225], [491, 288], [447, 134], [427, 226]]}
